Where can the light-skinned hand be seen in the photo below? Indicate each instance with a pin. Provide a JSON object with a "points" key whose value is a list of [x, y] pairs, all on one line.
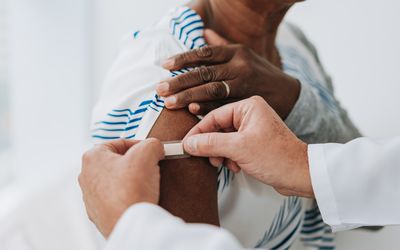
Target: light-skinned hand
{"points": [[250, 136], [117, 175]]}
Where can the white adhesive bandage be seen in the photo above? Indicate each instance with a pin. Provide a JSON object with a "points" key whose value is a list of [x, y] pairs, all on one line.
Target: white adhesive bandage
{"points": [[174, 150]]}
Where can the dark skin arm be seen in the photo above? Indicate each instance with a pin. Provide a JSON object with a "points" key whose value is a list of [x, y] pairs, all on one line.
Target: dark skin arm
{"points": [[188, 187]]}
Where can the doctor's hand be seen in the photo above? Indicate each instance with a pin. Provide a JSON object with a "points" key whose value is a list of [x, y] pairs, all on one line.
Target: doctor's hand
{"points": [[226, 73], [117, 175], [250, 136]]}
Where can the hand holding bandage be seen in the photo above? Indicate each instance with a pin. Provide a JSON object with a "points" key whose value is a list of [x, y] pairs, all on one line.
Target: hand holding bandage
{"points": [[117, 175], [252, 138]]}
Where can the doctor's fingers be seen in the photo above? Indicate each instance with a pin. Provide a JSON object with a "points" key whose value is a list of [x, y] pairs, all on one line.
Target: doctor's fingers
{"points": [[218, 120], [196, 77], [222, 162], [207, 55], [230, 117], [224, 145], [110, 152], [147, 152]]}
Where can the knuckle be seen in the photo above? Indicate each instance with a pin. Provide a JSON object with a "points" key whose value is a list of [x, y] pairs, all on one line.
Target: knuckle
{"points": [[185, 80], [181, 59], [205, 74], [204, 52], [153, 142], [239, 64], [211, 141], [176, 83], [257, 100], [216, 90], [87, 157], [186, 97]]}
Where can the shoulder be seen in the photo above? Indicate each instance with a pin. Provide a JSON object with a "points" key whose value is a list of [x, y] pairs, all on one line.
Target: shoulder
{"points": [[151, 43], [130, 83], [293, 41], [293, 31], [181, 29]]}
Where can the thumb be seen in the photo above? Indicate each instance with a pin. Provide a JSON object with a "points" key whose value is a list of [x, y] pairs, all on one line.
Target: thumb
{"points": [[213, 38], [149, 151], [212, 145]]}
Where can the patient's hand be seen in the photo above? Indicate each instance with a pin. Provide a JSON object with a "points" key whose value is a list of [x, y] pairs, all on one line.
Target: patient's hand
{"points": [[226, 73]]}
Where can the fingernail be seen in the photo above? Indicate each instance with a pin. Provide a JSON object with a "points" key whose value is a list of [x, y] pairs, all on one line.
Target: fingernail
{"points": [[169, 63], [170, 101], [190, 145], [162, 88], [194, 108]]}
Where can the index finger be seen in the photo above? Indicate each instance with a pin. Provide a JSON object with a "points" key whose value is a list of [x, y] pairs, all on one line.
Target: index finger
{"points": [[206, 55], [229, 117], [215, 121], [148, 151]]}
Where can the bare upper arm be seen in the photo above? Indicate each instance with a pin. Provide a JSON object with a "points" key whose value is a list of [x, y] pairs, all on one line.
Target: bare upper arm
{"points": [[188, 186]]}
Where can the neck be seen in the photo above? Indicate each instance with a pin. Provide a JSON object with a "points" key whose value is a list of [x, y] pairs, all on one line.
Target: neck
{"points": [[253, 23]]}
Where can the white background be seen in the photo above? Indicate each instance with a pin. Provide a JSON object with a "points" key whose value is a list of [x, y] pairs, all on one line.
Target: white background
{"points": [[62, 49]]}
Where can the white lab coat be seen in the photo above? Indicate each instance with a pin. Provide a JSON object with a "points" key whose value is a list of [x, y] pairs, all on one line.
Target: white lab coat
{"points": [[355, 184], [358, 183]]}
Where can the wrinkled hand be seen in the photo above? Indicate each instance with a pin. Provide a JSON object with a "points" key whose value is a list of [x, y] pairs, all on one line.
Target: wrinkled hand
{"points": [[252, 138], [117, 175], [246, 73]]}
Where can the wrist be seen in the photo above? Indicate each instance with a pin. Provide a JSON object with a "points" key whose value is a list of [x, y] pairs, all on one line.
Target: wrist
{"points": [[304, 181], [298, 179]]}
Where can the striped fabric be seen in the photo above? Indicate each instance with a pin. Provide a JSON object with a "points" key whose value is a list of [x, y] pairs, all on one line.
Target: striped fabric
{"points": [[123, 123], [315, 234], [284, 227], [289, 223]]}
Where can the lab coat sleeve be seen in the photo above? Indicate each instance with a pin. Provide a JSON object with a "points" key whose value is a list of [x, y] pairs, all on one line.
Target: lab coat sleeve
{"points": [[147, 226], [357, 184]]}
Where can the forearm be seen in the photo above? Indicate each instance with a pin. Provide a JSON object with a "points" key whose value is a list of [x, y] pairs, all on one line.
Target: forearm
{"points": [[188, 186]]}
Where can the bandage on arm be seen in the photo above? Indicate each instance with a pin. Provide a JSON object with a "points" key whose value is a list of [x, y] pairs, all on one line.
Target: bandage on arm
{"points": [[188, 186]]}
